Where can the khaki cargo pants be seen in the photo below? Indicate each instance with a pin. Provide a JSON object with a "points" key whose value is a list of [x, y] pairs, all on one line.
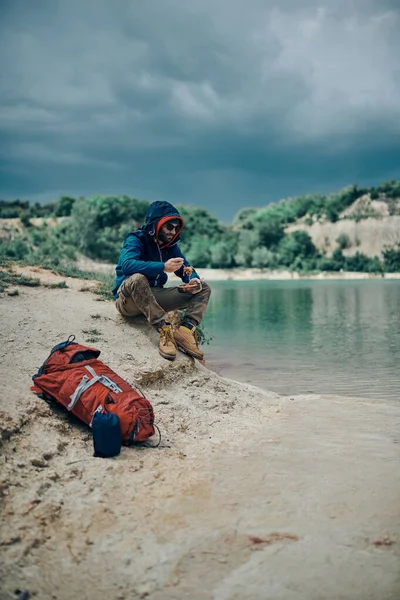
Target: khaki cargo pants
{"points": [[136, 297]]}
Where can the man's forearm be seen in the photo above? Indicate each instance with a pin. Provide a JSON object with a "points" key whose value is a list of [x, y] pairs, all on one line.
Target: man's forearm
{"points": [[149, 268]]}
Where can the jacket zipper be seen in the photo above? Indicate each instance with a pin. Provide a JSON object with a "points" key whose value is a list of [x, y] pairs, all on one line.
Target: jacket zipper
{"points": [[161, 258]]}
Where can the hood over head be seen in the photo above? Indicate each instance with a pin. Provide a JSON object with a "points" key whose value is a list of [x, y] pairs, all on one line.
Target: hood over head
{"points": [[160, 212]]}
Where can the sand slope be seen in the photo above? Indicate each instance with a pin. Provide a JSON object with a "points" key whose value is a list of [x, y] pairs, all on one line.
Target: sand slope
{"points": [[249, 496]]}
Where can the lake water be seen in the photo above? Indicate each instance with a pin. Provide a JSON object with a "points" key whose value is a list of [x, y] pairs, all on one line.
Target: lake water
{"points": [[331, 337]]}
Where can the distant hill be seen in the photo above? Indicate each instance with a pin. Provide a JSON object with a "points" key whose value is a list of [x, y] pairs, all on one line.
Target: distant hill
{"points": [[368, 226]]}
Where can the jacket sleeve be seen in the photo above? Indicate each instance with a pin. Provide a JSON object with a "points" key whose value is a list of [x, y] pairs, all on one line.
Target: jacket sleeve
{"points": [[131, 260], [179, 273]]}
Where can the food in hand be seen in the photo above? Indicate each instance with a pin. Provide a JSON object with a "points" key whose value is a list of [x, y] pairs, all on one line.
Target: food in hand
{"points": [[192, 286]]}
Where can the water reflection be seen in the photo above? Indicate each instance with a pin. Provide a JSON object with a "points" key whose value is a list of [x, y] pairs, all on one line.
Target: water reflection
{"points": [[296, 337]]}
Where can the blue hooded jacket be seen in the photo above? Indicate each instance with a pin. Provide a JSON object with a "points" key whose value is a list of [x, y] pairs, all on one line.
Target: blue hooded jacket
{"points": [[143, 253]]}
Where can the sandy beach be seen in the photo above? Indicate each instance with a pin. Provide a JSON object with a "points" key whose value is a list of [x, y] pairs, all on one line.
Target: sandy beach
{"points": [[246, 274], [250, 496]]}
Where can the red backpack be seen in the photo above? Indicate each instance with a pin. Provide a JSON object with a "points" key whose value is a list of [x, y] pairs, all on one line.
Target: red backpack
{"points": [[73, 376]]}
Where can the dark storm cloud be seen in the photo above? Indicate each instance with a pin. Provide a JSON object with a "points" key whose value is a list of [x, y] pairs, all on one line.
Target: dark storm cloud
{"points": [[222, 104]]}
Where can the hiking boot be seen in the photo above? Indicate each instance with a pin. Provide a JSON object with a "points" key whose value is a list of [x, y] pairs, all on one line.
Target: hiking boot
{"points": [[167, 343], [186, 341]]}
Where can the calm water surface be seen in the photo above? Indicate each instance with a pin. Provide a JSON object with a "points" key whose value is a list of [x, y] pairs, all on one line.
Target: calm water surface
{"points": [[336, 337]]}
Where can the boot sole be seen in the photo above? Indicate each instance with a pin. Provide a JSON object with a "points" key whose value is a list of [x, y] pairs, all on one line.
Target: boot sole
{"points": [[190, 352], [167, 356]]}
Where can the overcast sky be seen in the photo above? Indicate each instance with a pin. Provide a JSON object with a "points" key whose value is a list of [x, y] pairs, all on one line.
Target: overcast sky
{"points": [[217, 103]]}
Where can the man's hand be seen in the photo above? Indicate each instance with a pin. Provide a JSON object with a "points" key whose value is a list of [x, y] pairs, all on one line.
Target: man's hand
{"points": [[193, 287], [172, 265]]}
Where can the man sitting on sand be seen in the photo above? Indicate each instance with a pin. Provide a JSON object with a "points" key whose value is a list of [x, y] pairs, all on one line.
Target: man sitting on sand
{"points": [[148, 254]]}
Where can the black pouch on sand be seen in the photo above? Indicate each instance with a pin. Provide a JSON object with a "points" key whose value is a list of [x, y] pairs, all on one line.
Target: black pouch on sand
{"points": [[106, 435]]}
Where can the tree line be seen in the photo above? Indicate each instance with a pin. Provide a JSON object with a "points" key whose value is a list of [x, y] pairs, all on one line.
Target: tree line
{"points": [[96, 227]]}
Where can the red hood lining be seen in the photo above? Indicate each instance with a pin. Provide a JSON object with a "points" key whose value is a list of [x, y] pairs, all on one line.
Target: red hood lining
{"points": [[161, 222]]}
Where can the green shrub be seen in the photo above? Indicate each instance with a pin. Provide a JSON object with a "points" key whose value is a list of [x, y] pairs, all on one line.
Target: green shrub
{"points": [[363, 263], [199, 254], [64, 206], [332, 214], [222, 255], [9, 213], [343, 241], [262, 258], [270, 232], [295, 245], [248, 240], [391, 189], [12, 209], [202, 231], [100, 223], [17, 249], [26, 219], [243, 216], [391, 259], [335, 263], [42, 210]]}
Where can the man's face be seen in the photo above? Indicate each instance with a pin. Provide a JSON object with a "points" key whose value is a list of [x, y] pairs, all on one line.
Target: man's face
{"points": [[168, 230]]}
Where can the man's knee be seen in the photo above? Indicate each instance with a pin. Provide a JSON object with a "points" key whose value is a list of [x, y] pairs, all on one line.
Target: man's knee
{"points": [[135, 282], [206, 288]]}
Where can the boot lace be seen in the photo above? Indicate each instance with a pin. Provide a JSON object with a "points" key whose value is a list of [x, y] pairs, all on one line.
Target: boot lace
{"points": [[166, 335]]}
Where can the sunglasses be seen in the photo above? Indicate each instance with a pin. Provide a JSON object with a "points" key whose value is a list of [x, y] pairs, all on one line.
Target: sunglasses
{"points": [[171, 226]]}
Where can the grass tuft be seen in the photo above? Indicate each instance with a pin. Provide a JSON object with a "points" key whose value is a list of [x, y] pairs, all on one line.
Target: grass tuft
{"points": [[104, 289], [91, 331], [8, 278], [53, 286]]}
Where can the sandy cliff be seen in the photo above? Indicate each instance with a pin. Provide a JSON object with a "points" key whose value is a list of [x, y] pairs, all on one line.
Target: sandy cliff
{"points": [[370, 236], [249, 496]]}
